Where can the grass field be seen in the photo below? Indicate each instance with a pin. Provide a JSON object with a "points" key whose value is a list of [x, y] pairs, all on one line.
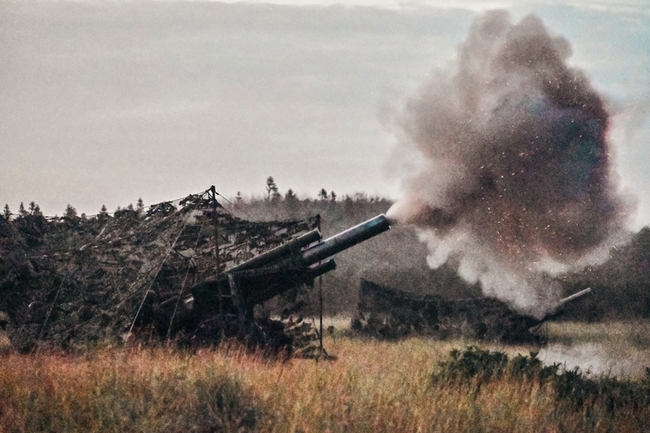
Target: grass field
{"points": [[372, 387]]}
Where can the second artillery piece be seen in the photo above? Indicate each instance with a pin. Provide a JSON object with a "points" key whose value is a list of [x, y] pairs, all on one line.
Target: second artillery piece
{"points": [[224, 304], [387, 313]]}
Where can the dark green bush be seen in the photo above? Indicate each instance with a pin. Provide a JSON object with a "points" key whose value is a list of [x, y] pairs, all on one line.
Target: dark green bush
{"points": [[476, 366], [473, 363]]}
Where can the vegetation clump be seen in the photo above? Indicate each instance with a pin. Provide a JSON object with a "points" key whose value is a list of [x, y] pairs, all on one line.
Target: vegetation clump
{"points": [[476, 367]]}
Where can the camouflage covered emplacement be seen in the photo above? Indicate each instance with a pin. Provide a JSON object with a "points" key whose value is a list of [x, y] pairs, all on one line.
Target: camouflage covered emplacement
{"points": [[72, 282], [387, 313]]}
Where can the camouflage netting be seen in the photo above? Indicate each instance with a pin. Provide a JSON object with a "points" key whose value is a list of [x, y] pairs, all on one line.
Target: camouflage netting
{"points": [[387, 313], [73, 281]]}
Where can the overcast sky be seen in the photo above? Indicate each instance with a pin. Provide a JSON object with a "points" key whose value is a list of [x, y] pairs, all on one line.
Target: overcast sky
{"points": [[102, 102]]}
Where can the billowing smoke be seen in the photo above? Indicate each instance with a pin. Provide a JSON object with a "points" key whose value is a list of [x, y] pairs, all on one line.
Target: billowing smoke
{"points": [[514, 184]]}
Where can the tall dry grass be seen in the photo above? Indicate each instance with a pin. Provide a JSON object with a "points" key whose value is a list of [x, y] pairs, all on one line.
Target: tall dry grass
{"points": [[372, 387], [147, 391]]}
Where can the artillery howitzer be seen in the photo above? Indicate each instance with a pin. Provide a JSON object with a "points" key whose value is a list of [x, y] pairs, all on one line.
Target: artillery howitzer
{"points": [[224, 304], [387, 313]]}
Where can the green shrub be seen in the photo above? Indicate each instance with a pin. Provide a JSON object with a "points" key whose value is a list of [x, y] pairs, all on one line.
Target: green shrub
{"points": [[472, 363], [476, 366]]}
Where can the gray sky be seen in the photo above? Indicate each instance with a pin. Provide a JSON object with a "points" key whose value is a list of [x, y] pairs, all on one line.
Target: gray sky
{"points": [[102, 102]]}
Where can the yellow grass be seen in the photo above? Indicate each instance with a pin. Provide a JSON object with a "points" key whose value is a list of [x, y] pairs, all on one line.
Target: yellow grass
{"points": [[372, 387]]}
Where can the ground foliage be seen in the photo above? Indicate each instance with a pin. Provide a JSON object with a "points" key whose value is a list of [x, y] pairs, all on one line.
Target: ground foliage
{"points": [[374, 386], [577, 388]]}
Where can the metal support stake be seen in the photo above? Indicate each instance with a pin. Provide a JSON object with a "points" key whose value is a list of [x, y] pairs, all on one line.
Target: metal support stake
{"points": [[320, 299], [215, 207]]}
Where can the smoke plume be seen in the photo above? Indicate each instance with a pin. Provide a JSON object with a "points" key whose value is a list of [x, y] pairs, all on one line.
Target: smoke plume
{"points": [[514, 184]]}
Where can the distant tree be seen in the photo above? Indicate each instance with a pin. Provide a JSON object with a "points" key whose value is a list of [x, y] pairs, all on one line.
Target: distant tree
{"points": [[37, 211], [6, 213], [290, 195], [70, 213], [22, 211], [140, 207], [32, 207], [271, 187], [333, 196], [322, 194], [348, 204], [238, 197], [130, 207], [103, 213]]}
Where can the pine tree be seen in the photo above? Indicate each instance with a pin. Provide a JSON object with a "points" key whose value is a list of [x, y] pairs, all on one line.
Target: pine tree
{"points": [[32, 207], [238, 197], [103, 214], [333, 196], [290, 195], [22, 211], [140, 207], [322, 194], [271, 187], [7, 212], [70, 213]]}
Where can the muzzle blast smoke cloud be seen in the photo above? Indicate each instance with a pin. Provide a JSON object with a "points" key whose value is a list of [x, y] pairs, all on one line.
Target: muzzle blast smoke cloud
{"points": [[514, 183]]}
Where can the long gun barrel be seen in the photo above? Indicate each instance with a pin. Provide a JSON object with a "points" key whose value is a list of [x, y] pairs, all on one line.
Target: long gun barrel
{"points": [[559, 309], [346, 239], [575, 296]]}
